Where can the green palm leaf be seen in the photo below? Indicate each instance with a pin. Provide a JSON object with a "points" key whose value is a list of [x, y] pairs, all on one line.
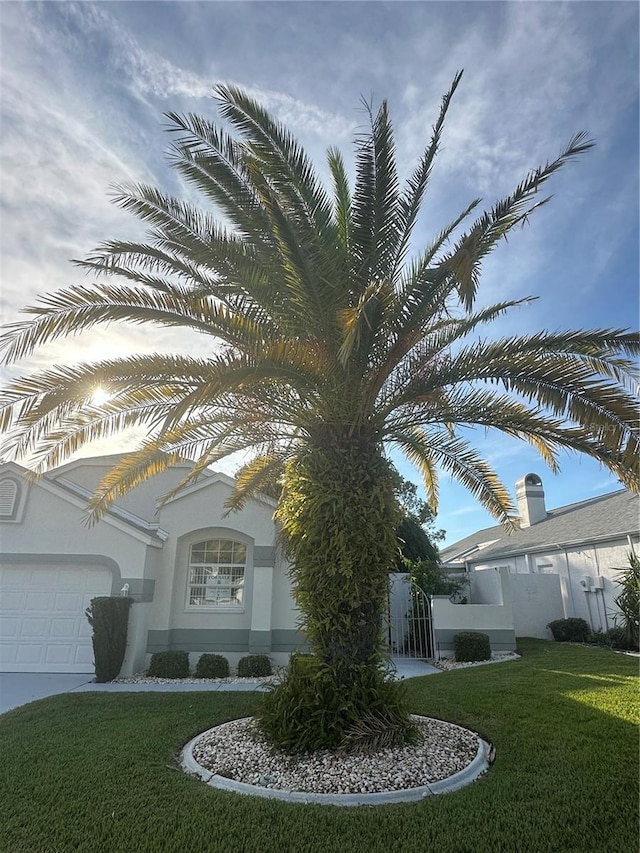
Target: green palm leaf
{"points": [[324, 328]]}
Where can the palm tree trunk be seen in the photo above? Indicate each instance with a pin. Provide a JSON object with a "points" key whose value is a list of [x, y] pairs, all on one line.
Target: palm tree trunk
{"points": [[339, 517]]}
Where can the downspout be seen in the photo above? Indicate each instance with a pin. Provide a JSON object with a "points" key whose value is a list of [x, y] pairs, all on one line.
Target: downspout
{"points": [[569, 584], [604, 610], [601, 591], [586, 592]]}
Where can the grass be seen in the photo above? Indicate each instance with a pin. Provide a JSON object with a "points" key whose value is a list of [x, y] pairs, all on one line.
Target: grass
{"points": [[97, 772]]}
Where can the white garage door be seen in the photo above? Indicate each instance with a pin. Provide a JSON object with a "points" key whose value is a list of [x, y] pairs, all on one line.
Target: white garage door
{"points": [[43, 627]]}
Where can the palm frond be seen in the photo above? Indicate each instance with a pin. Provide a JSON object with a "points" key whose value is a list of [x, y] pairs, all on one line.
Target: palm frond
{"points": [[411, 199], [374, 233], [465, 259], [454, 454], [78, 309], [342, 198], [283, 160], [262, 473]]}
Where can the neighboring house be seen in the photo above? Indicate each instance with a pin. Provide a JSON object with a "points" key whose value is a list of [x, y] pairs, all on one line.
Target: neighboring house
{"points": [[581, 547], [201, 581]]}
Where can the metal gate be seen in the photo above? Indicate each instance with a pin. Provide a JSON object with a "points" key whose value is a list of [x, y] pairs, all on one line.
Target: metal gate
{"points": [[409, 629]]}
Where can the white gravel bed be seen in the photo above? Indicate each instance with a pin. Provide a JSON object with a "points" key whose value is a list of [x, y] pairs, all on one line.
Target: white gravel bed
{"points": [[237, 751], [234, 679], [447, 664], [444, 664]]}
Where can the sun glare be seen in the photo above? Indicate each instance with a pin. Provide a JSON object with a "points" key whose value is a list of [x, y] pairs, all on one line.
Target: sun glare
{"points": [[100, 397]]}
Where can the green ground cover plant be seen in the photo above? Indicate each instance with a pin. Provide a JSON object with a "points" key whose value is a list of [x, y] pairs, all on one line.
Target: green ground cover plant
{"points": [[96, 771]]}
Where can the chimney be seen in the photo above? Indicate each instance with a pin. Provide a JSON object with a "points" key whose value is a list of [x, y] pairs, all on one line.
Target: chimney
{"points": [[530, 498]]}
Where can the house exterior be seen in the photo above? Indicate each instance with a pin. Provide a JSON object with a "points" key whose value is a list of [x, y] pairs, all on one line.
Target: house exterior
{"points": [[201, 581], [561, 562]]}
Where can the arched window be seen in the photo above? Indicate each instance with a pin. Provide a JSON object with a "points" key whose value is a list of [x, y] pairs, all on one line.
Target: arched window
{"points": [[216, 573], [8, 498]]}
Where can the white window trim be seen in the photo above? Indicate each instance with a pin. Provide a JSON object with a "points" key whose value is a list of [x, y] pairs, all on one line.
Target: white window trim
{"points": [[215, 608]]}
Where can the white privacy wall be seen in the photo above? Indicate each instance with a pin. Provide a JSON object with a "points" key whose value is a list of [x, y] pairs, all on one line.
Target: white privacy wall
{"points": [[536, 600], [492, 616], [586, 574]]}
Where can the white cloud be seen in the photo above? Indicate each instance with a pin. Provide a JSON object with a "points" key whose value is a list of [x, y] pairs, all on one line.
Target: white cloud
{"points": [[150, 74]]}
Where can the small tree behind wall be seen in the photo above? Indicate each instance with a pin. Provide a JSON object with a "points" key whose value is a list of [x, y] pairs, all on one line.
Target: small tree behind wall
{"points": [[109, 618], [628, 602]]}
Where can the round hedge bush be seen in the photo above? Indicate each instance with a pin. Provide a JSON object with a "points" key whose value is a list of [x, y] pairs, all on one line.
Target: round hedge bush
{"points": [[172, 664], [471, 646], [212, 666], [254, 666]]}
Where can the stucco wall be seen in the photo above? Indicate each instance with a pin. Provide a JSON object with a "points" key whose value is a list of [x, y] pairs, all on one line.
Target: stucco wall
{"points": [[485, 587], [496, 620], [51, 525], [266, 621], [577, 568], [536, 600], [52, 532]]}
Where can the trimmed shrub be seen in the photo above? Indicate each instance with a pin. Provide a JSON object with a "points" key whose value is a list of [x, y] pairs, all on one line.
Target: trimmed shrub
{"points": [[109, 618], [619, 640], [471, 646], [169, 665], [570, 630], [212, 666], [599, 638], [254, 666]]}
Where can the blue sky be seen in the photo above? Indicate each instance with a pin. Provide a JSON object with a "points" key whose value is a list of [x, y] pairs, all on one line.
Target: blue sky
{"points": [[84, 87]]}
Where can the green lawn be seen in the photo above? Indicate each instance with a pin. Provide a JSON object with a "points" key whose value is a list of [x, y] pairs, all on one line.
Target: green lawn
{"points": [[97, 772]]}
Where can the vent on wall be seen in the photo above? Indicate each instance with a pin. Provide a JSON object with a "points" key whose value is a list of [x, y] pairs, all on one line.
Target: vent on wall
{"points": [[8, 498]]}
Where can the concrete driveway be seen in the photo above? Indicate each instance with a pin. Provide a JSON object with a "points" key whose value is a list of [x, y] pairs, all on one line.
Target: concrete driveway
{"points": [[18, 688]]}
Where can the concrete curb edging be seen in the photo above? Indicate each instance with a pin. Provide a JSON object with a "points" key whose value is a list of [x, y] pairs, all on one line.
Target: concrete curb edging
{"points": [[408, 795]]}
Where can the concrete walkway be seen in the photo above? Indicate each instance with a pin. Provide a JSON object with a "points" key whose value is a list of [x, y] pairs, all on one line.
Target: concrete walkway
{"points": [[19, 688]]}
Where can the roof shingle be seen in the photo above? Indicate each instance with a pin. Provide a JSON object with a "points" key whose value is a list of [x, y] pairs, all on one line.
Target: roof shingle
{"points": [[609, 516]]}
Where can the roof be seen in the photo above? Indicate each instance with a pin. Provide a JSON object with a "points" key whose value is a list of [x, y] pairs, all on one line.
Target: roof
{"points": [[76, 494], [115, 511], [611, 516]]}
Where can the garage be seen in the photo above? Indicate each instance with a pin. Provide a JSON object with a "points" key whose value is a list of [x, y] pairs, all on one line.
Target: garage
{"points": [[43, 626]]}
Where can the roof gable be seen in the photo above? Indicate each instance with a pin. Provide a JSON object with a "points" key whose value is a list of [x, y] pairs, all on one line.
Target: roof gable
{"points": [[216, 478], [77, 496], [142, 501]]}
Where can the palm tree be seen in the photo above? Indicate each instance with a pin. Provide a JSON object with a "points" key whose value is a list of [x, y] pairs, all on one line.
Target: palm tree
{"points": [[331, 341]]}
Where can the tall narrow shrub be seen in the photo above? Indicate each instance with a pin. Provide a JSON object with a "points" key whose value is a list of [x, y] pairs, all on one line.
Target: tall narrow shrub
{"points": [[109, 618]]}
